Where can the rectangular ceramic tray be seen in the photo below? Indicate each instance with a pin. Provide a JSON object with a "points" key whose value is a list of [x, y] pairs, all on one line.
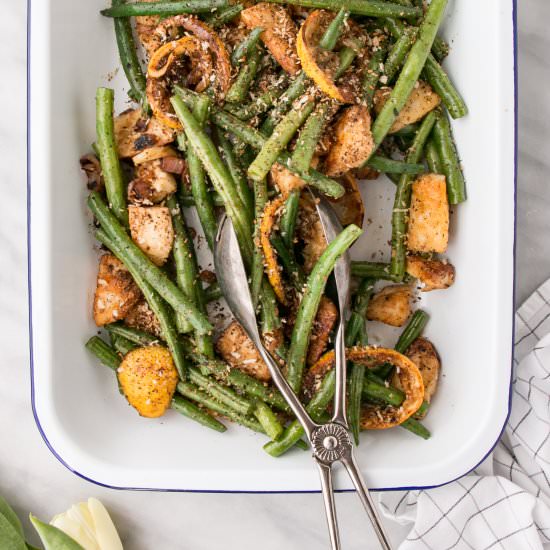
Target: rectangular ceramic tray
{"points": [[79, 411]]}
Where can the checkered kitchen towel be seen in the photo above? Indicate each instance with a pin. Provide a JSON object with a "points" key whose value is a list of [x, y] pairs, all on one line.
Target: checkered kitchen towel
{"points": [[505, 502]]}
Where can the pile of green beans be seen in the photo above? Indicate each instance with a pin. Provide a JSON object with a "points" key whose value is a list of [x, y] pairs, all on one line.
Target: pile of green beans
{"points": [[229, 142]]}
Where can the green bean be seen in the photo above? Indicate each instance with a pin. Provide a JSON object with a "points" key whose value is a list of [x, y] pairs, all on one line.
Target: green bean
{"points": [[156, 303], [197, 179], [108, 156], [191, 391], [415, 427], [270, 321], [310, 303], [288, 261], [436, 76], [164, 8], [334, 30], [185, 261], [347, 55], [289, 218], [134, 335], [383, 372], [238, 379], [222, 393], [135, 258], [268, 420], [450, 163], [432, 158], [370, 8], [128, 57], [373, 73], [188, 200], [239, 178], [411, 71], [309, 137], [213, 292], [250, 135], [422, 411], [224, 15], [294, 91], [402, 201], [391, 166], [376, 390], [356, 334], [122, 345], [373, 270], [443, 87], [246, 47], [190, 410], [407, 131], [257, 274], [279, 139], [238, 91], [412, 331], [359, 311], [104, 352], [399, 51], [219, 175], [315, 408], [257, 106]]}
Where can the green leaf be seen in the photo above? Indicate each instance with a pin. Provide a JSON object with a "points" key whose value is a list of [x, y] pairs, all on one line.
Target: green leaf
{"points": [[10, 539], [31, 547], [7, 511], [52, 537]]}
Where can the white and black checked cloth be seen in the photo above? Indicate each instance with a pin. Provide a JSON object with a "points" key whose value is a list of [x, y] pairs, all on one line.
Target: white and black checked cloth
{"points": [[505, 502]]}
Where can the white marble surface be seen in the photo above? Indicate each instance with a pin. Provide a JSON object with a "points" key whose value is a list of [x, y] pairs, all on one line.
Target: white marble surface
{"points": [[33, 480]]}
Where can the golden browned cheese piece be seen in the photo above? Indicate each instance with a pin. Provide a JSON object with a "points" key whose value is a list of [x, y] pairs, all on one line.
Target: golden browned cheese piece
{"points": [[151, 229], [432, 274], [353, 143], [349, 208], [135, 133], [151, 184], [279, 33], [326, 318], [142, 317], [238, 350], [424, 355], [116, 292], [428, 229], [282, 178], [148, 378], [421, 101], [391, 305]]}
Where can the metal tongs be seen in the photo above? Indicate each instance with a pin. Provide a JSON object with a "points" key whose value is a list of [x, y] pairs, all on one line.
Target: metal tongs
{"points": [[331, 442]]}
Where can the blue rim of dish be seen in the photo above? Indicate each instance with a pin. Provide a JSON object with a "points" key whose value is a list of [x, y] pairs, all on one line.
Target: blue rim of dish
{"points": [[164, 490]]}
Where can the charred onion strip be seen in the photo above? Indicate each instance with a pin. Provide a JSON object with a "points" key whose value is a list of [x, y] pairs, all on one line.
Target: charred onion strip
{"points": [[322, 65], [272, 269], [407, 378]]}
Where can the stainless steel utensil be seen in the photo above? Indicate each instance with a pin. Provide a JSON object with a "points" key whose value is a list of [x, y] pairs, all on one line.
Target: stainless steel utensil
{"points": [[331, 442]]}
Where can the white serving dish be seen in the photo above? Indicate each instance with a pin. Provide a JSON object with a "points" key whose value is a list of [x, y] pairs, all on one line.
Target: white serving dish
{"points": [[92, 430]]}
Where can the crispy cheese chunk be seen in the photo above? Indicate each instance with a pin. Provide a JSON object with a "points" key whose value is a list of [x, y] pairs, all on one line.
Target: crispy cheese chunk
{"points": [[353, 142], [151, 229], [135, 133], [424, 355], [421, 101], [429, 215], [391, 305], [238, 350], [432, 274], [116, 292]]}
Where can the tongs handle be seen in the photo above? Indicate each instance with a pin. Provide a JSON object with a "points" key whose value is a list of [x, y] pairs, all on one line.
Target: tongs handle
{"points": [[325, 473], [362, 491]]}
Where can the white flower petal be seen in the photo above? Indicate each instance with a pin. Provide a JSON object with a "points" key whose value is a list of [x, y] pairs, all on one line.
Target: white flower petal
{"points": [[106, 533]]}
